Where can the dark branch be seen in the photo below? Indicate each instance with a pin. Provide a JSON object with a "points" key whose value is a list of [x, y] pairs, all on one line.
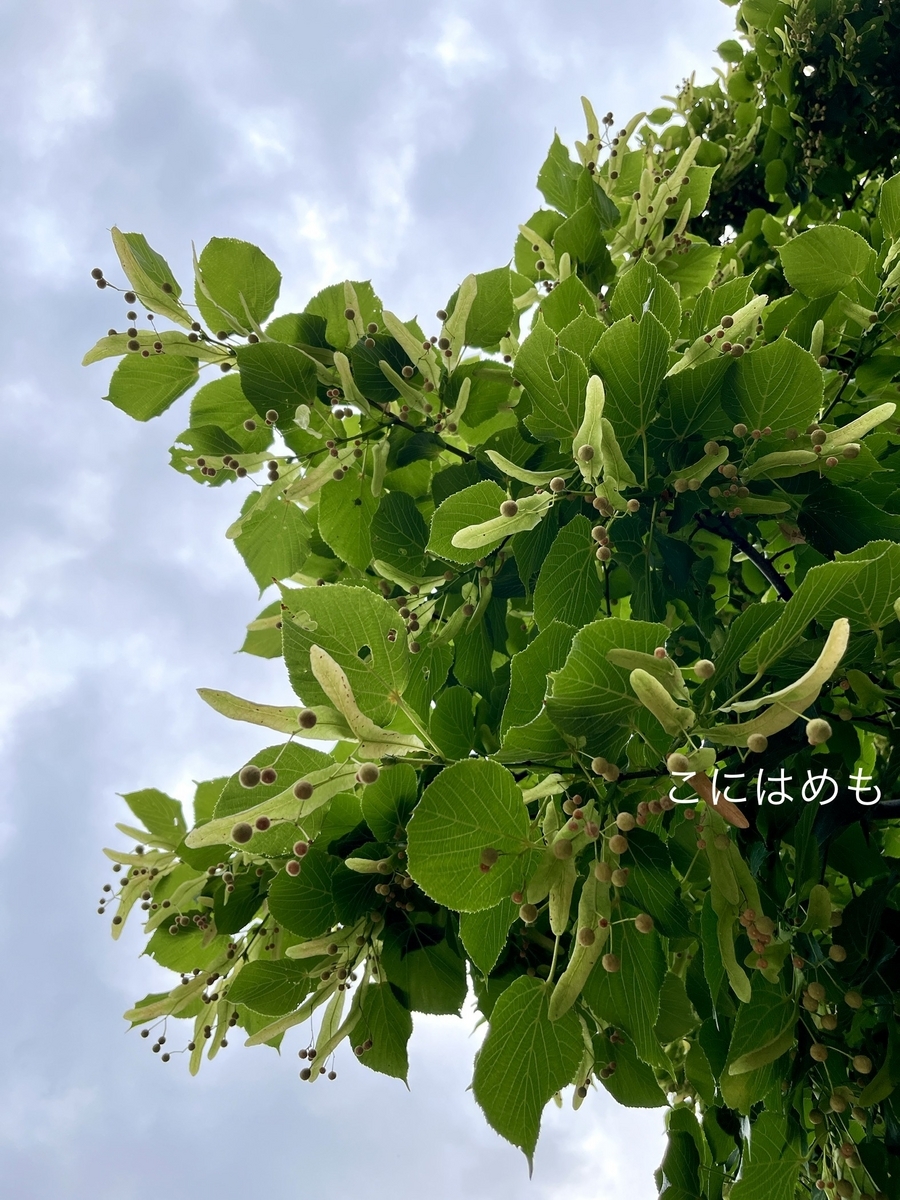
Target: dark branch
{"points": [[724, 527]]}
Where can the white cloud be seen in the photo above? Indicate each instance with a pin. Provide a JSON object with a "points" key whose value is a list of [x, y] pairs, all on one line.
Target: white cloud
{"points": [[67, 83], [459, 49]]}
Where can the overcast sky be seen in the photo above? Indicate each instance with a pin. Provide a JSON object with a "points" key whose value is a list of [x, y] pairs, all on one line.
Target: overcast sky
{"points": [[394, 140]]}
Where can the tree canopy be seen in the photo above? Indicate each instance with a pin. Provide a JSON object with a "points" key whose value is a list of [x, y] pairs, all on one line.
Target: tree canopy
{"points": [[588, 591]]}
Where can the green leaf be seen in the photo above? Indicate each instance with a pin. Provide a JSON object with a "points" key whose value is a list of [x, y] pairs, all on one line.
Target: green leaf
{"points": [[590, 698], [818, 588], [484, 933], [642, 289], [583, 238], [680, 1167], [389, 1025], [632, 1083], [237, 285], [388, 802], [779, 385], [278, 377], [632, 359], [451, 724], [332, 302], [698, 188], [304, 904], [150, 276], [492, 315], [713, 966], [145, 387], [889, 207], [569, 588], [298, 329], [825, 260], [676, 1015], [471, 506], [691, 403], [470, 806], [159, 814], [524, 1060], [690, 272], [346, 509], [630, 998], [582, 334], [568, 302], [185, 950], [772, 1169], [759, 1023], [223, 403], [432, 976], [651, 885], [839, 520], [399, 533], [555, 380], [274, 540], [351, 624], [558, 178], [529, 671], [544, 223], [699, 1073], [292, 761], [531, 548], [206, 795], [867, 598], [743, 633], [272, 988]]}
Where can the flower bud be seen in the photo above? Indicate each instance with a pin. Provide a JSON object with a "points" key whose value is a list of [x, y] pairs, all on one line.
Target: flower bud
{"points": [[678, 764], [818, 731]]}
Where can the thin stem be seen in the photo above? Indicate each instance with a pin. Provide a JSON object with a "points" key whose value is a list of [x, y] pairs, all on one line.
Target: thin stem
{"points": [[553, 962]]}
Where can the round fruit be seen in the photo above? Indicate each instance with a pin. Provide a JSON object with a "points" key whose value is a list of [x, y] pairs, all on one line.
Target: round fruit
{"points": [[249, 776]]}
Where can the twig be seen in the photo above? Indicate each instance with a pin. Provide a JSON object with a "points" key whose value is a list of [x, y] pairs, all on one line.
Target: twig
{"points": [[723, 526]]}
